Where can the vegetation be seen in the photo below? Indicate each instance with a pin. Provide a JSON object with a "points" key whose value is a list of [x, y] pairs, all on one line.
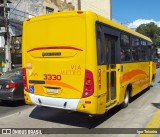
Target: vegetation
{"points": [[151, 30]]}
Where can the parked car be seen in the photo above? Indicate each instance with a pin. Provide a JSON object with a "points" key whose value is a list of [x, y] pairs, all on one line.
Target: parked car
{"points": [[158, 63], [11, 85]]}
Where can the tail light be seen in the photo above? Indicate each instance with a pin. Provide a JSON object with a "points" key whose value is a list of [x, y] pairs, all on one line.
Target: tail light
{"points": [[11, 85], [88, 84], [25, 79]]}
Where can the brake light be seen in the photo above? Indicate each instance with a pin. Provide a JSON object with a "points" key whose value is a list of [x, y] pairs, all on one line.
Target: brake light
{"points": [[88, 84], [25, 79], [11, 85]]}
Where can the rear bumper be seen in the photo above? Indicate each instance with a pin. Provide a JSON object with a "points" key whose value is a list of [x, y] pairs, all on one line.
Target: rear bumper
{"points": [[62, 103], [9, 95]]}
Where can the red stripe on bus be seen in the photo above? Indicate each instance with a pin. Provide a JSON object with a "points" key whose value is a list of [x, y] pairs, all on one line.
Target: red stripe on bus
{"points": [[55, 47]]}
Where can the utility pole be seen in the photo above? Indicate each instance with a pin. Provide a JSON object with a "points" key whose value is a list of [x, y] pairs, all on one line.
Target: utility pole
{"points": [[79, 4], [7, 37]]}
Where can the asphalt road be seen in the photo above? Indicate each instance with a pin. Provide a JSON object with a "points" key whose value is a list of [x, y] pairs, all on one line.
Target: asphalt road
{"points": [[8, 107]]}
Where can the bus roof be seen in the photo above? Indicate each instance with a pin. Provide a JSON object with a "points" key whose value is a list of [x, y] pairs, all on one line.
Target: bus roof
{"points": [[89, 13]]}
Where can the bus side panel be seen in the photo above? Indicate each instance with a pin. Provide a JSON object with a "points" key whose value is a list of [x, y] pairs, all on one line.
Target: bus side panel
{"points": [[98, 101], [119, 89], [135, 74], [98, 106], [154, 69], [101, 89], [99, 95], [152, 72]]}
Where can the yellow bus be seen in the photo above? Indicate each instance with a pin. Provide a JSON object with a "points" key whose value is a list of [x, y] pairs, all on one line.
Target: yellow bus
{"points": [[80, 61]]}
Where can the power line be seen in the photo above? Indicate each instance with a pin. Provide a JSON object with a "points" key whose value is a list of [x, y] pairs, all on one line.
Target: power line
{"points": [[15, 7]]}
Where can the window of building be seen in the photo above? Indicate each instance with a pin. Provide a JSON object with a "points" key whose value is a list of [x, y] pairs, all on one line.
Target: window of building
{"points": [[49, 10]]}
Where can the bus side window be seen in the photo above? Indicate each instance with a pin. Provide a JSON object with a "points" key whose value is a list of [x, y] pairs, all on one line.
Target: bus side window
{"points": [[100, 50], [127, 55], [122, 55], [144, 50], [125, 48], [135, 49]]}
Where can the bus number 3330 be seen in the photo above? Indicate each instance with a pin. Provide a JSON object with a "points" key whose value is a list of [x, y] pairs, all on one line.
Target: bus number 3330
{"points": [[52, 77]]}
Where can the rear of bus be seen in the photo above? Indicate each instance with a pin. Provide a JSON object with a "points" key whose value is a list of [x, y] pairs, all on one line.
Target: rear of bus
{"points": [[55, 69]]}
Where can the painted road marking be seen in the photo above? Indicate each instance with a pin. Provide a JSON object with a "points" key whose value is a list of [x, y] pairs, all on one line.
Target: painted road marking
{"points": [[153, 123]]}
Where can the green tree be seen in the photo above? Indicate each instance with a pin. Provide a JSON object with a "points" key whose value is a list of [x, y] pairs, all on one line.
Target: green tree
{"points": [[151, 30]]}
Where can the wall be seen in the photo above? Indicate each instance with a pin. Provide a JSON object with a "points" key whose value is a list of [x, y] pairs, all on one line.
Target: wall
{"points": [[101, 7]]}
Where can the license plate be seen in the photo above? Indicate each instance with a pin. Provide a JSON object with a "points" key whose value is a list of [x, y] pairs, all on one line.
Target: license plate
{"points": [[52, 90]]}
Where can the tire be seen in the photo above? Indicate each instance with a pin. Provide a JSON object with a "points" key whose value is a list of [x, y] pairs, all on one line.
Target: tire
{"points": [[126, 99]]}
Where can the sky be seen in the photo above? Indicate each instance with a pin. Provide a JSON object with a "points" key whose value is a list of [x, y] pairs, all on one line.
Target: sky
{"points": [[132, 13]]}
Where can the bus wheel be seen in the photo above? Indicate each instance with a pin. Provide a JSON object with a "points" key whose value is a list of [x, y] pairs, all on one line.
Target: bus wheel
{"points": [[126, 99]]}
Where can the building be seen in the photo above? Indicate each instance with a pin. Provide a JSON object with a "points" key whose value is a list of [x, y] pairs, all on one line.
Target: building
{"points": [[37, 7], [101, 7], [19, 11]]}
